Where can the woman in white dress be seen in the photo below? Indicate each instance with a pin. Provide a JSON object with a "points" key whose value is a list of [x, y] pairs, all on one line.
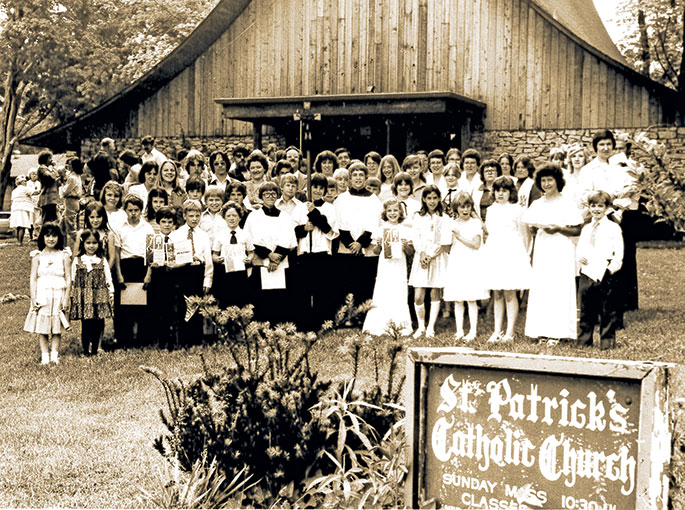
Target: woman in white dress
{"points": [[21, 217], [553, 220]]}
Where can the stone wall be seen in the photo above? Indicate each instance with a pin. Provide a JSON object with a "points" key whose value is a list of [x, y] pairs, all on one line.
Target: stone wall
{"points": [[537, 144], [169, 146]]}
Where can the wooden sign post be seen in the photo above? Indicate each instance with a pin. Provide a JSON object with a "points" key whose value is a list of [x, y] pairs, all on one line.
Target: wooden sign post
{"points": [[508, 431]]}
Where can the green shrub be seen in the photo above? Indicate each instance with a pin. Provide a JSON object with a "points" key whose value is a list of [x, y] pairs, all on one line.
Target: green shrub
{"points": [[254, 415]]}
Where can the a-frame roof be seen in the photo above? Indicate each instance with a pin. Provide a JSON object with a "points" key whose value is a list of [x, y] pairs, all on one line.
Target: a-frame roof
{"points": [[577, 18], [582, 19]]}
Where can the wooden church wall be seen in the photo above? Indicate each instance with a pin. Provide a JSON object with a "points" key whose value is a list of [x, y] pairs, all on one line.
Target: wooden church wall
{"points": [[506, 53]]}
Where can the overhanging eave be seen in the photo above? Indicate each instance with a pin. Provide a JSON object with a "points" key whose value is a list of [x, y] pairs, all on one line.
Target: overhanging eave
{"points": [[274, 109]]}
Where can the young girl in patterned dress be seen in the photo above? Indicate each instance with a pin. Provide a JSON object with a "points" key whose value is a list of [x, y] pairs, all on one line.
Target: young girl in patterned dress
{"points": [[92, 290], [50, 284]]}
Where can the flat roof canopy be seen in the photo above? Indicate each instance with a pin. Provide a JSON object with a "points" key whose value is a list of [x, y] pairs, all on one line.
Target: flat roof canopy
{"points": [[266, 109]]}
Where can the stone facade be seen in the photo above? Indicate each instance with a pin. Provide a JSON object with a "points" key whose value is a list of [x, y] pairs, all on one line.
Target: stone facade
{"points": [[169, 146], [537, 144]]}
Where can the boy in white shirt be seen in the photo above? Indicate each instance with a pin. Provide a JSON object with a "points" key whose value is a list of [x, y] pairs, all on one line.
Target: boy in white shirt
{"points": [[600, 254], [130, 243], [194, 278]]}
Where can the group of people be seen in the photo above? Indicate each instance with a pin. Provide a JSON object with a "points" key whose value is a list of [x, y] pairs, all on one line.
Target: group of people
{"points": [[250, 227]]}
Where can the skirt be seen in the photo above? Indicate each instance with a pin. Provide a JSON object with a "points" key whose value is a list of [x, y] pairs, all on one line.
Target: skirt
{"points": [[49, 318], [21, 219]]}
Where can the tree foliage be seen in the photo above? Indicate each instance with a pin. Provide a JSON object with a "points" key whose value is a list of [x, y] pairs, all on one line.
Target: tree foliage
{"points": [[60, 58], [652, 38]]}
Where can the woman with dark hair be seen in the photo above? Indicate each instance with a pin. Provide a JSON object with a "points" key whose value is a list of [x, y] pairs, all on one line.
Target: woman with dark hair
{"points": [[506, 162], [49, 186], [148, 179], [325, 163], [527, 191], [129, 167], [470, 181], [484, 197], [194, 164], [412, 166], [219, 165], [553, 221], [72, 193], [257, 166]]}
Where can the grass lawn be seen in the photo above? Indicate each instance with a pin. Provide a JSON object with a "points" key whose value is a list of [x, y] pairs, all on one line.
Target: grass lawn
{"points": [[79, 434]]}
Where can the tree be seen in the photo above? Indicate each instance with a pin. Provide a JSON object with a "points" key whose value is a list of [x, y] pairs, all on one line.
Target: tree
{"points": [[60, 58], [652, 39]]}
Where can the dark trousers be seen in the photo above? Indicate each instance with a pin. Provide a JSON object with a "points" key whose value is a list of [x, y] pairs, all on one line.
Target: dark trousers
{"points": [[626, 277], [163, 303], [49, 213], [357, 275], [315, 301], [269, 304], [91, 330], [598, 306]]}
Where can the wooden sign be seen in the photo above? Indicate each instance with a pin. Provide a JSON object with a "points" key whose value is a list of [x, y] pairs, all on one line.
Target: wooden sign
{"points": [[510, 431]]}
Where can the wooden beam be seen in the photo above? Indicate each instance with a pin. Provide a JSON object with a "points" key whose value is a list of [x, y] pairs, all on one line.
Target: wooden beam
{"points": [[286, 110]]}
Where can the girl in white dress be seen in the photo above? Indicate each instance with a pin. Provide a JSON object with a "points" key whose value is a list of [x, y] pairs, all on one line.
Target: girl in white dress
{"points": [[554, 221], [390, 305], [432, 235], [50, 284], [505, 257], [464, 280]]}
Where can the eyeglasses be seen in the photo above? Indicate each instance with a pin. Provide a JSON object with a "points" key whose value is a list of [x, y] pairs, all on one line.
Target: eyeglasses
{"points": [[271, 194]]}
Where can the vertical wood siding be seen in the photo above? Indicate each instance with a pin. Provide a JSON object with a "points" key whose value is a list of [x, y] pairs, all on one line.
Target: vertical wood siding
{"points": [[505, 53]]}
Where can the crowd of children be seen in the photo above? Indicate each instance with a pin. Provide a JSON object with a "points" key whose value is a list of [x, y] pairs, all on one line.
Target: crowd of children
{"points": [[437, 229]]}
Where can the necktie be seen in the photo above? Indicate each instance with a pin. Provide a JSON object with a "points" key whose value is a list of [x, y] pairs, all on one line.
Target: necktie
{"points": [[234, 239], [166, 248], [404, 207], [593, 233], [190, 238], [448, 198]]}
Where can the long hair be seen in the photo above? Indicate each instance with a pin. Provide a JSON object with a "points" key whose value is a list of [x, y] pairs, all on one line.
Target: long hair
{"points": [[84, 235], [97, 207], [431, 188], [50, 228], [155, 193]]}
